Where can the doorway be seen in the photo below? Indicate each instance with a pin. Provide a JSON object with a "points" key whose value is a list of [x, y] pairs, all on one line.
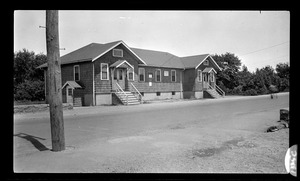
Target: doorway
{"points": [[119, 76]]}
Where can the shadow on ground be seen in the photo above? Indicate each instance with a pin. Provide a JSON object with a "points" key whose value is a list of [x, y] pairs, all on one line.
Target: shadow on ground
{"points": [[34, 140]]}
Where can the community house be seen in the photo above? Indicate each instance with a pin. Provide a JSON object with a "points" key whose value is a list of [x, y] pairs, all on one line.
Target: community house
{"points": [[114, 73]]}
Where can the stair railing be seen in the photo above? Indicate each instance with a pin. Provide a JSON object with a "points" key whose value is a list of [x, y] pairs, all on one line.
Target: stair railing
{"points": [[220, 90], [120, 90], [140, 97]]}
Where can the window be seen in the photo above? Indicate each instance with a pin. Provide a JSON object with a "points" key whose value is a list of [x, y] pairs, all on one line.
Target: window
{"points": [[173, 93], [173, 75], [157, 93], [212, 77], [70, 92], [117, 52], [115, 74], [130, 73], [76, 73], [166, 73], [199, 76], [150, 75], [120, 74], [206, 62], [104, 71], [142, 93], [158, 75], [142, 74]]}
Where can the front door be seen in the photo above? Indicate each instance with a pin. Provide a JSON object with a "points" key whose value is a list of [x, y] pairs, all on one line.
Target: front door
{"points": [[69, 94], [119, 76], [211, 79], [205, 81]]}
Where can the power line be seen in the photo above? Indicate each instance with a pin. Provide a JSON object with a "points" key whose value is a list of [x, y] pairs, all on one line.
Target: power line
{"points": [[268, 60], [265, 48]]}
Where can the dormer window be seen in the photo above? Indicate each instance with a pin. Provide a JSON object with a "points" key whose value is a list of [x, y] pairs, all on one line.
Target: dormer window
{"points": [[117, 52]]}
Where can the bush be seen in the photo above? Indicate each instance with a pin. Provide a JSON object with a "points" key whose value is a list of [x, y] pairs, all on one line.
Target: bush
{"points": [[30, 90], [250, 92], [237, 90]]}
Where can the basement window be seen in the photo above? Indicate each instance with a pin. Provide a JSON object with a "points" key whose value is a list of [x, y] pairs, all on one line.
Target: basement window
{"points": [[157, 93], [173, 93]]}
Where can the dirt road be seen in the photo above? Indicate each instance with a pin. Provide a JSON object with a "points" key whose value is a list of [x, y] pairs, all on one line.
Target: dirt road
{"points": [[201, 136]]}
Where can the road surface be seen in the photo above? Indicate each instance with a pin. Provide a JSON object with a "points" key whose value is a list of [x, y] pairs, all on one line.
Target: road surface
{"points": [[202, 136]]}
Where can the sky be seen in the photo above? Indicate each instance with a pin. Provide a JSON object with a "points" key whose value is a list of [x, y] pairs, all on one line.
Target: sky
{"points": [[258, 38]]}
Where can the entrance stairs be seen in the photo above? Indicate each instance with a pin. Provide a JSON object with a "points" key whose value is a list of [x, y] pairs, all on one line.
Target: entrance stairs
{"points": [[214, 92], [127, 98]]}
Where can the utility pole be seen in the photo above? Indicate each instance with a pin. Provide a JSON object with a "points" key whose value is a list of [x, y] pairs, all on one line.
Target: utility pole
{"points": [[54, 81]]}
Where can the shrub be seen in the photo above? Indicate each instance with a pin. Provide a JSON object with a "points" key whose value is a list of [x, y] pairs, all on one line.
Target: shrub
{"points": [[250, 92], [30, 90]]}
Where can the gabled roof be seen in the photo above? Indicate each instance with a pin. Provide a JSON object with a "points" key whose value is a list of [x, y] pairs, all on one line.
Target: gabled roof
{"points": [[121, 63], [209, 69], [193, 61], [196, 60], [72, 84], [93, 51], [159, 58]]}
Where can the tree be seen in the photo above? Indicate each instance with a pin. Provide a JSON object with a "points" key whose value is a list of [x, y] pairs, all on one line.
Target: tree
{"points": [[283, 70], [230, 65], [28, 80]]}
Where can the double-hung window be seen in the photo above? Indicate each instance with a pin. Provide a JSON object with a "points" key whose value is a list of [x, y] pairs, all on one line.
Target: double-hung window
{"points": [[212, 77], [142, 74], [199, 76], [130, 74], [76, 73], [104, 71], [173, 75], [158, 75]]}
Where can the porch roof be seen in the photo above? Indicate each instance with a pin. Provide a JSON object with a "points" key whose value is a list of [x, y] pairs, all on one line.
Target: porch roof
{"points": [[72, 84], [209, 69], [121, 64]]}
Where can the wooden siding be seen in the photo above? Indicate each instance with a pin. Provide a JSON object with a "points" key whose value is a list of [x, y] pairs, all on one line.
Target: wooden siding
{"points": [[164, 79], [105, 86]]}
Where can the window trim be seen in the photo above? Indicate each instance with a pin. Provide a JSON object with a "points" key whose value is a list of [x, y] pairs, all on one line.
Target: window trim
{"points": [[157, 74], [132, 74], [78, 72], [113, 52], [166, 73], [69, 88], [212, 77], [107, 71], [172, 76], [201, 76], [143, 74]]}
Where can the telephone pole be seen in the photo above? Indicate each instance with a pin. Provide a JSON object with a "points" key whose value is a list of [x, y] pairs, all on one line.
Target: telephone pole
{"points": [[54, 81]]}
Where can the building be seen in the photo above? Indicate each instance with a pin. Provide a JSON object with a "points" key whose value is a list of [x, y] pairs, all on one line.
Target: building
{"points": [[113, 73]]}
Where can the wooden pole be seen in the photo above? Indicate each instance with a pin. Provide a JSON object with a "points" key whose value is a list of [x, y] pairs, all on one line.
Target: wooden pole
{"points": [[54, 81]]}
